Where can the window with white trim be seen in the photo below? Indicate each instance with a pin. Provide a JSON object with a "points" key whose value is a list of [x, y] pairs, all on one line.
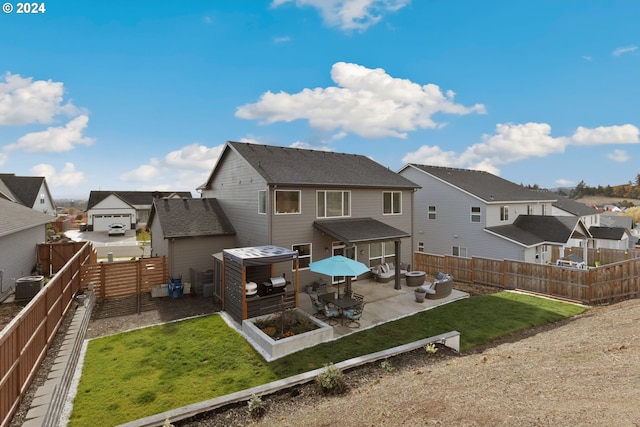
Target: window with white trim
{"points": [[304, 256], [431, 212], [544, 209], [381, 252], [262, 202], [504, 213], [420, 246], [476, 215], [529, 209], [391, 202], [459, 251], [333, 204], [287, 202]]}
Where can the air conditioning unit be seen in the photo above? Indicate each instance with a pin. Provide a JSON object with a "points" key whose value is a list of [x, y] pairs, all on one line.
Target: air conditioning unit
{"points": [[28, 287]]}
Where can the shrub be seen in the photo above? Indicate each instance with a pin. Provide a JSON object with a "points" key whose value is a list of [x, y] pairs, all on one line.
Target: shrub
{"points": [[430, 348], [386, 365], [331, 380], [255, 407]]}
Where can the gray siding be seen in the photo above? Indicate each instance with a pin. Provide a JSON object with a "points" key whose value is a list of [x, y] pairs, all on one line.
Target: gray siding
{"points": [[453, 226], [236, 187], [159, 245], [195, 253], [18, 256]]}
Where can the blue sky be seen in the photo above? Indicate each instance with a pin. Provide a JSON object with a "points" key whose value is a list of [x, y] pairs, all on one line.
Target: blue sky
{"points": [[142, 95]]}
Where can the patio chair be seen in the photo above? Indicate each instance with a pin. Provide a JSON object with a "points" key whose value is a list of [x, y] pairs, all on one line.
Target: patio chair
{"points": [[318, 307], [354, 315], [322, 289], [331, 315], [358, 297]]}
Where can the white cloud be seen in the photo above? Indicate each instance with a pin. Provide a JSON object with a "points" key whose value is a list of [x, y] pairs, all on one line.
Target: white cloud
{"points": [[619, 156], [55, 139], [283, 39], [307, 146], [625, 134], [185, 168], [587, 57], [624, 49], [564, 182], [515, 142], [367, 102], [3, 159], [349, 14], [24, 101], [67, 177]]}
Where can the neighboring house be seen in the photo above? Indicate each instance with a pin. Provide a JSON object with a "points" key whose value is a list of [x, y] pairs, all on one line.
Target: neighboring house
{"points": [[612, 238], [21, 229], [30, 191], [188, 232], [316, 202], [130, 208], [469, 213], [565, 206]]}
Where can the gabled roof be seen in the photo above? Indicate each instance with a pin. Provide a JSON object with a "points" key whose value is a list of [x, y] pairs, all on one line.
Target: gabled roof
{"points": [[190, 217], [24, 189], [134, 198], [573, 207], [531, 230], [608, 233], [483, 185], [15, 217], [302, 167]]}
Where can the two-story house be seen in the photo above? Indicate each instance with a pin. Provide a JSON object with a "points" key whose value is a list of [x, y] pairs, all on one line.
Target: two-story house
{"points": [[467, 213], [30, 191], [316, 202]]}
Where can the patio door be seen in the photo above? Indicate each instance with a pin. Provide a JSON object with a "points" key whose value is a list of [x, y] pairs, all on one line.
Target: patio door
{"points": [[339, 248]]}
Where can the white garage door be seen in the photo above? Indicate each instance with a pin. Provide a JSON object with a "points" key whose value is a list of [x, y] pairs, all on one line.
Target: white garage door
{"points": [[102, 222]]}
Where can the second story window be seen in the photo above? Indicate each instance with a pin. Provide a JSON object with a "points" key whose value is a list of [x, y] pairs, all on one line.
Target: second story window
{"points": [[262, 202], [42, 199], [475, 214], [504, 213], [287, 202], [544, 209], [391, 202], [529, 209], [431, 212], [334, 203]]}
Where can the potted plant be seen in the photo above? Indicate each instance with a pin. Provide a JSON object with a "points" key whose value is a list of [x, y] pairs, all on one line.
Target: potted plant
{"points": [[419, 293]]}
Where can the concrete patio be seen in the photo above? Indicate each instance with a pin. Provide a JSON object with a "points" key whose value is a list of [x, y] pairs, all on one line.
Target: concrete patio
{"points": [[383, 303]]}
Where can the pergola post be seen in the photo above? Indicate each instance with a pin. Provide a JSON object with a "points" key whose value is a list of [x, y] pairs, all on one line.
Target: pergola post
{"points": [[397, 278]]}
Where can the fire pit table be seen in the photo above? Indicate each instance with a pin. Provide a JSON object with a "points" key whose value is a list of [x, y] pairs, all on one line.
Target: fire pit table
{"points": [[414, 278]]}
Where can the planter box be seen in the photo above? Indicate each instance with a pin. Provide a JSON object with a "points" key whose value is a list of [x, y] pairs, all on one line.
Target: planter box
{"points": [[272, 349]]}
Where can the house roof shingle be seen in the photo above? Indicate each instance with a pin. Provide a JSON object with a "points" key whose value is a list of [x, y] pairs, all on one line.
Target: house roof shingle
{"points": [[488, 187], [531, 230], [190, 217], [134, 198], [24, 189], [354, 230], [573, 207], [609, 233], [15, 217], [303, 167]]}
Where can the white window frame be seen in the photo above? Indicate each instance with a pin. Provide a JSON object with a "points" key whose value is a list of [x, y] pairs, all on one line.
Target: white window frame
{"points": [[431, 211], [504, 213], [345, 210], [387, 253], [262, 202], [304, 256], [459, 251], [530, 210], [420, 247], [275, 202], [476, 214], [394, 210], [544, 209]]}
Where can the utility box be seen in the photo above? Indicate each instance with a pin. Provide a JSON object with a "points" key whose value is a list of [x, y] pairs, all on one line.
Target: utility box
{"points": [[28, 287]]}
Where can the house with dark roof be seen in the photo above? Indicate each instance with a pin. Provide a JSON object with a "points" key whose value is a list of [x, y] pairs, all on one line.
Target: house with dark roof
{"points": [[188, 231], [467, 213], [130, 208], [315, 202], [30, 191], [612, 237], [21, 229]]}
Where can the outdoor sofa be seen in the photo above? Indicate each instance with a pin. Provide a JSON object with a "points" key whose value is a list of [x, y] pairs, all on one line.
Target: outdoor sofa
{"points": [[441, 286], [387, 272]]}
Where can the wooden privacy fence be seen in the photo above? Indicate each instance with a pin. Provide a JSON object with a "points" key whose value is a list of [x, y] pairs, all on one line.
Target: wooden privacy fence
{"points": [[611, 282], [25, 340], [124, 278], [53, 256], [603, 255]]}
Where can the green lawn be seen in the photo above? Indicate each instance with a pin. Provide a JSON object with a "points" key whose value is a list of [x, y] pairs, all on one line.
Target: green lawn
{"points": [[139, 373]]}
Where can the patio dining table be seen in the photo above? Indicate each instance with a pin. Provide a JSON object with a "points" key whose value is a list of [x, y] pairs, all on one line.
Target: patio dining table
{"points": [[342, 302]]}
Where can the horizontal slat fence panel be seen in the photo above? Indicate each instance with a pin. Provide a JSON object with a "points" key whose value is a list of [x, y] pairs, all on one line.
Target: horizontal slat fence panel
{"points": [[608, 283]]}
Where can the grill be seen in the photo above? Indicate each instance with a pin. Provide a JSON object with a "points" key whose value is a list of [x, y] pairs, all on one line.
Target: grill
{"points": [[278, 282]]}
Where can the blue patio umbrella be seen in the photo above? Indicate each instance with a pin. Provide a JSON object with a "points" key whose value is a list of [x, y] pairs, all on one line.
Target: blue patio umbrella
{"points": [[339, 265]]}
